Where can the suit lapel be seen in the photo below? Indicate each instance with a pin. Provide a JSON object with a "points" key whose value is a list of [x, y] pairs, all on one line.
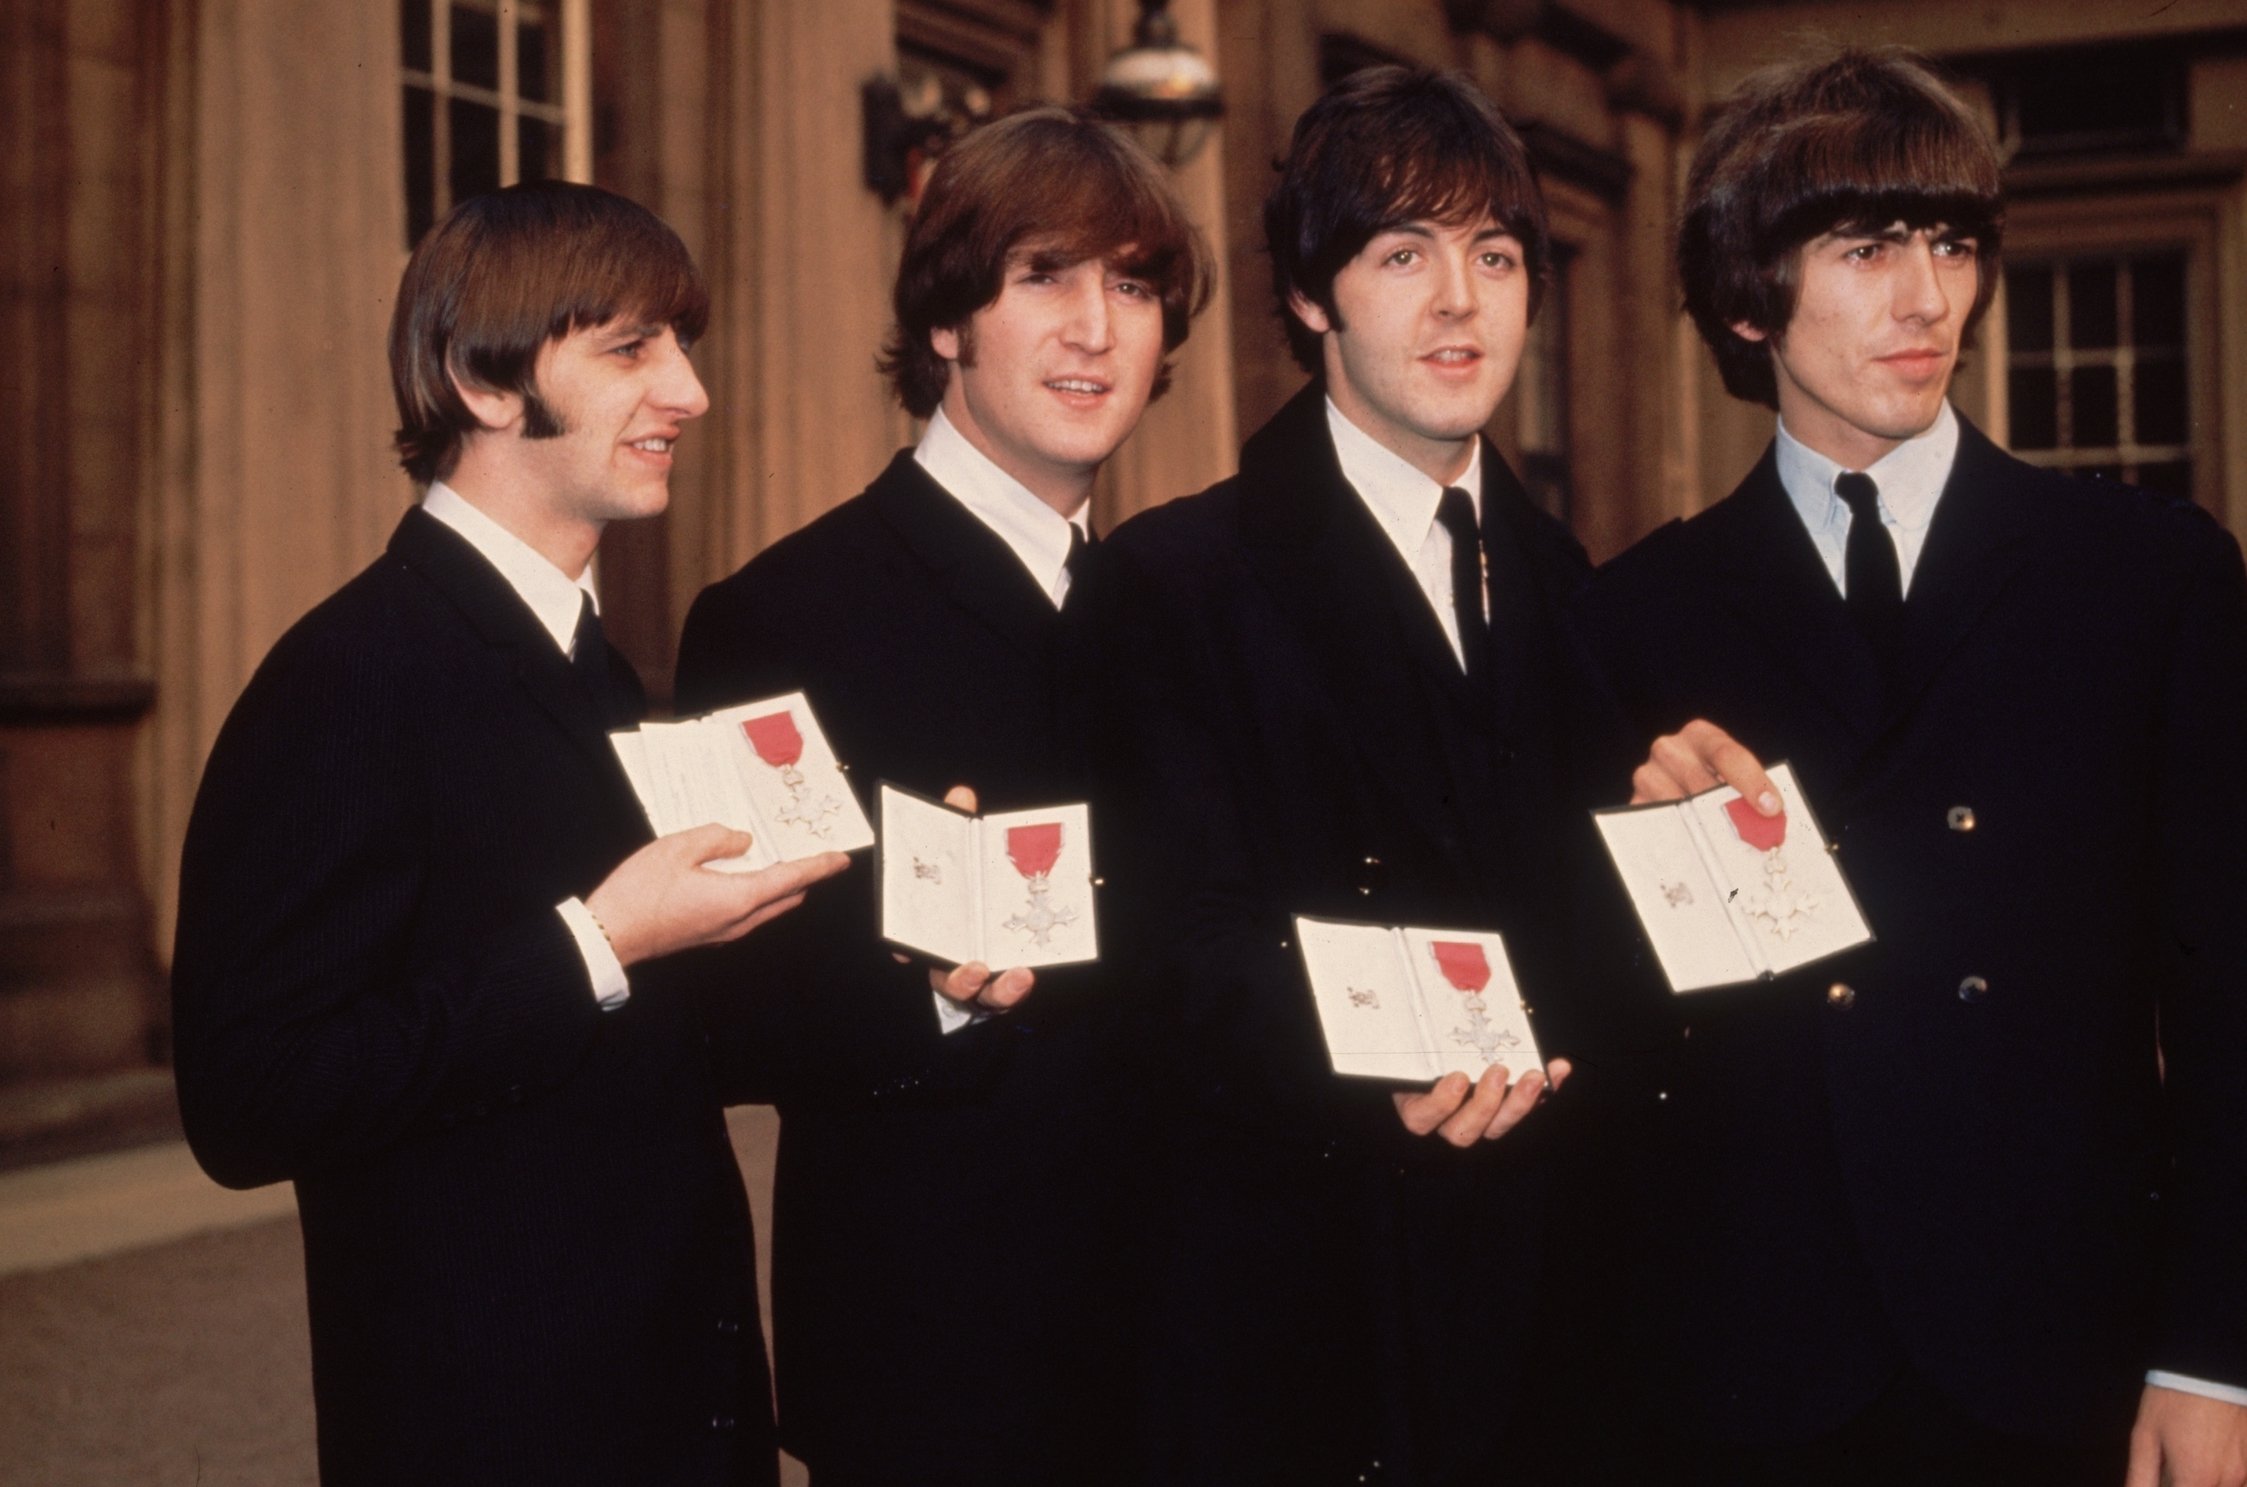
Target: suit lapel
{"points": [[970, 564], [1779, 589], [1347, 594], [499, 617], [1974, 546]]}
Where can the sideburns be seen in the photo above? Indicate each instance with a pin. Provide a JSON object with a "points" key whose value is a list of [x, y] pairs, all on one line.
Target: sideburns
{"points": [[540, 421]]}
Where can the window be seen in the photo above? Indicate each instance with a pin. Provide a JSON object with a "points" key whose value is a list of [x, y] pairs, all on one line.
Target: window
{"points": [[2097, 377], [496, 92]]}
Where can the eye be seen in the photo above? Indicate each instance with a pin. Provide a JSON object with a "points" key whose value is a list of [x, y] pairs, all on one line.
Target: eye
{"points": [[1134, 288], [1959, 248], [1496, 258], [1864, 252], [1402, 257], [630, 350]]}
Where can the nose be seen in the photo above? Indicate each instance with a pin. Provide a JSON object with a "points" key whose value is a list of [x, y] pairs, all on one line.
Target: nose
{"points": [[1921, 293], [679, 390], [1455, 286], [1091, 325]]}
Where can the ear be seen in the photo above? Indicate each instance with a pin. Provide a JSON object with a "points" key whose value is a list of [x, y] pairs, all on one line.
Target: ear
{"points": [[1308, 311], [496, 411], [945, 342], [1747, 332]]}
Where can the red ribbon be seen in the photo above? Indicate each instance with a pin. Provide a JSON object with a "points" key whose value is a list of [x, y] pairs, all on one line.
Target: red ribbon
{"points": [[1034, 849], [775, 739], [1463, 964], [1759, 831]]}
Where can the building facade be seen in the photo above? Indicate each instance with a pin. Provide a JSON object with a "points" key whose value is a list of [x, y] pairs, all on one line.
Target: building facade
{"points": [[207, 204]]}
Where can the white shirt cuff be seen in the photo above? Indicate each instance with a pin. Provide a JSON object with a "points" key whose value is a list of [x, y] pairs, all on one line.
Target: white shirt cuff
{"points": [[951, 1016], [2187, 1384], [602, 968]]}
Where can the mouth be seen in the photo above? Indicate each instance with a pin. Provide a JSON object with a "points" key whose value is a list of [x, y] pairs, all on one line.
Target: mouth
{"points": [[1453, 358], [1920, 362], [656, 445], [1077, 387]]}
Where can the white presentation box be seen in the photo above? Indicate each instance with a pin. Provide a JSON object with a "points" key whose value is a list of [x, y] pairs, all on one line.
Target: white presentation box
{"points": [[1727, 895], [762, 767], [1415, 1004], [1013, 888]]}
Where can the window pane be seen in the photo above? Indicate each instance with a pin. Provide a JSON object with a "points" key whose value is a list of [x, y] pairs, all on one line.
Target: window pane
{"points": [[2028, 309], [2157, 303], [2034, 396], [2091, 318], [2159, 385], [539, 148], [421, 163], [533, 59], [2091, 390], [413, 34], [475, 46], [2170, 477], [475, 147]]}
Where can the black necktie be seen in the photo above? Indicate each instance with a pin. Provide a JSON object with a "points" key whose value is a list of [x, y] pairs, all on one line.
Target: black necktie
{"points": [[1080, 547], [606, 676], [1456, 513], [1875, 589]]}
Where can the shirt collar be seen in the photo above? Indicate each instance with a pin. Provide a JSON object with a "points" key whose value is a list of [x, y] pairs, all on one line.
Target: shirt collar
{"points": [[1037, 534], [553, 596], [1910, 477], [1400, 495]]}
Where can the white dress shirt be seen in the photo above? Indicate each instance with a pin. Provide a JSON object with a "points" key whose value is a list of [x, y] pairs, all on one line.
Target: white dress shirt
{"points": [[1403, 502], [1911, 478], [1032, 530], [555, 600]]}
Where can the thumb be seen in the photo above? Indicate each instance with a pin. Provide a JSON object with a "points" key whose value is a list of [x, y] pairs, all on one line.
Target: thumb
{"points": [[961, 797], [705, 843]]}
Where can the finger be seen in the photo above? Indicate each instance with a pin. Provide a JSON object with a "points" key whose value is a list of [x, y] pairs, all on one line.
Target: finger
{"points": [[961, 797], [1011, 987], [962, 982], [703, 843], [767, 914], [1650, 783], [1520, 1100], [1676, 756], [1732, 762], [1429, 1108], [1471, 1119], [1557, 1072], [2145, 1459]]}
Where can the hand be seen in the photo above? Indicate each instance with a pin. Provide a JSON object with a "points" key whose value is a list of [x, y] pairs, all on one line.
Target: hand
{"points": [[1463, 1113], [973, 985], [1701, 756], [662, 898], [2187, 1440]]}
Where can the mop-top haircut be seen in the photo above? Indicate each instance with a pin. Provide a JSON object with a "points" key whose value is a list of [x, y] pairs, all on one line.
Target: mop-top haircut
{"points": [[1392, 145], [505, 273], [1061, 186], [1853, 142]]}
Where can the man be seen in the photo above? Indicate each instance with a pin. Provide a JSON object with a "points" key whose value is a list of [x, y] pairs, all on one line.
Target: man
{"points": [[948, 1272], [421, 924], [1319, 706], [1954, 1206]]}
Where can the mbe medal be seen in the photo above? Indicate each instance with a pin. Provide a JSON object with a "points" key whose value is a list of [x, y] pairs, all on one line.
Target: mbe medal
{"points": [[779, 744], [1467, 968], [1033, 850], [1779, 904]]}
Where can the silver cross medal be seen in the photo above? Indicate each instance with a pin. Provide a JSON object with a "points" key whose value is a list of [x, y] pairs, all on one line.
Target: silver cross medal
{"points": [[1040, 919], [1490, 1043], [1783, 907], [803, 810]]}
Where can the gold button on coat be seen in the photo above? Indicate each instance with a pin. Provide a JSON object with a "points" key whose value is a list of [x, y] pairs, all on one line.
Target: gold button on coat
{"points": [[1961, 818], [1841, 995]]}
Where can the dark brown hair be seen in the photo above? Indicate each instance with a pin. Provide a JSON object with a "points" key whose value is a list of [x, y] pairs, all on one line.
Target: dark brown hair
{"points": [[1392, 145], [1053, 180], [1856, 141], [505, 273]]}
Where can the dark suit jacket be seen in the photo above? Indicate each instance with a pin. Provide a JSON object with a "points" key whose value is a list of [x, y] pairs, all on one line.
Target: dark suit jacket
{"points": [[946, 1293], [527, 1248], [1976, 1165], [1290, 733]]}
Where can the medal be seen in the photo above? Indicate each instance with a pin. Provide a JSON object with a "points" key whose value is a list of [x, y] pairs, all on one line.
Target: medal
{"points": [[1778, 903], [1033, 850], [1467, 968], [779, 744]]}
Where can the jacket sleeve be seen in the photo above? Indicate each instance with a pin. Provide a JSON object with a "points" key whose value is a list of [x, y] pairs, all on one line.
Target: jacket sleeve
{"points": [[310, 1024]]}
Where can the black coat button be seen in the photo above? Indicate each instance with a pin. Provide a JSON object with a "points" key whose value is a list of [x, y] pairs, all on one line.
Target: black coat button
{"points": [[721, 1422], [1973, 989]]}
